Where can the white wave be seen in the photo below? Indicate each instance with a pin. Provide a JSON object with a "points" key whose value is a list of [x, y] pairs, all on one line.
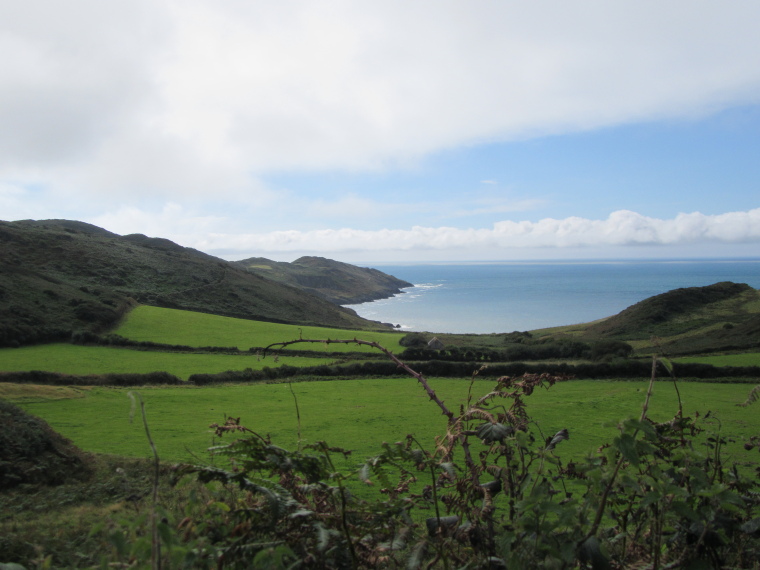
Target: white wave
{"points": [[425, 286]]}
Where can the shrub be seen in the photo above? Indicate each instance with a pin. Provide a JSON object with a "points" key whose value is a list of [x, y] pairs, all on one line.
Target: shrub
{"points": [[31, 452], [414, 340], [610, 349], [114, 379]]}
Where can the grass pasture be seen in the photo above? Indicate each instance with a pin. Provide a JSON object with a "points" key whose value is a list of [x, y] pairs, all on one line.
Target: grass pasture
{"points": [[173, 326], [744, 359], [361, 414], [83, 360]]}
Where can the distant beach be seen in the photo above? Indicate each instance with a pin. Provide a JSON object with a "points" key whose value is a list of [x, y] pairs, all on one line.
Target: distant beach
{"points": [[503, 297]]}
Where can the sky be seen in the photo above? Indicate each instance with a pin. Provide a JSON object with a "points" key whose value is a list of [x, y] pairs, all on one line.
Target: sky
{"points": [[394, 131]]}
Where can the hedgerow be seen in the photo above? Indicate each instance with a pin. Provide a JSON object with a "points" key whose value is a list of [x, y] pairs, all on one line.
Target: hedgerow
{"points": [[113, 379]]}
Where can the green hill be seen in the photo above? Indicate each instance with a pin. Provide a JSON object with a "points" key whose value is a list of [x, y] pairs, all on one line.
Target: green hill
{"points": [[719, 317], [340, 283], [676, 311], [60, 276]]}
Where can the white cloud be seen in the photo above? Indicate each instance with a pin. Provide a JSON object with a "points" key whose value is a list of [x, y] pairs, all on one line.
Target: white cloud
{"points": [[345, 84], [621, 228], [173, 221], [168, 98], [73, 75]]}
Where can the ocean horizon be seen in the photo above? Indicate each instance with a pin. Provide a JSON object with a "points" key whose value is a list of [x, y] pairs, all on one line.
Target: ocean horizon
{"points": [[505, 296]]}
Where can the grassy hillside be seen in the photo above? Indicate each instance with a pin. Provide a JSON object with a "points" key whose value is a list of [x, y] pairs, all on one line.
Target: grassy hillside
{"points": [[60, 276], [720, 317], [740, 359], [678, 311], [172, 326], [340, 283]]}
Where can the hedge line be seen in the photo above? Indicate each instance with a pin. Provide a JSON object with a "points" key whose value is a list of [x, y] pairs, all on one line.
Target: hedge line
{"points": [[624, 369], [58, 379], [86, 338], [525, 350], [516, 353]]}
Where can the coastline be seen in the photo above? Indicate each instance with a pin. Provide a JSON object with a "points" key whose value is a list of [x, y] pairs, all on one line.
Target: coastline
{"points": [[503, 297]]}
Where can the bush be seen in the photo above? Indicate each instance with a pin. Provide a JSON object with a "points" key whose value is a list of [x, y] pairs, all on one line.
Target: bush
{"points": [[58, 379], [610, 349], [414, 340], [32, 453]]}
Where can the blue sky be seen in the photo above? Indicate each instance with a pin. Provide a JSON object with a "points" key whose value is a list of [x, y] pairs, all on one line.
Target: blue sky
{"points": [[654, 168], [381, 132]]}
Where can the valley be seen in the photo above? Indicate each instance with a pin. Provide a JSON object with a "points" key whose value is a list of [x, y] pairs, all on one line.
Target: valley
{"points": [[91, 320]]}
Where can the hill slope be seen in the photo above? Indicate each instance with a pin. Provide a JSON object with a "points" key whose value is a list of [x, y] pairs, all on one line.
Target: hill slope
{"points": [[59, 276], [340, 283], [722, 316], [674, 312]]}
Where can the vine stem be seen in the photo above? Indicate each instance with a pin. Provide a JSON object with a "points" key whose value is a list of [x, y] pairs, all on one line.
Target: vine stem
{"points": [[343, 505], [298, 415], [155, 550], [608, 488]]}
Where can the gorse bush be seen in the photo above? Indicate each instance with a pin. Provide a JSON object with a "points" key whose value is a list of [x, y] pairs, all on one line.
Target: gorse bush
{"points": [[489, 492]]}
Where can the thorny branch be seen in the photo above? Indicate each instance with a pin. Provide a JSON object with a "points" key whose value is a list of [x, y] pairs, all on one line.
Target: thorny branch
{"points": [[452, 419], [419, 377]]}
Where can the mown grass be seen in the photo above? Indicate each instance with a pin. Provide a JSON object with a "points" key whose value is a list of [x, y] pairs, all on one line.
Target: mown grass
{"points": [[745, 359], [83, 360], [172, 326], [361, 414]]}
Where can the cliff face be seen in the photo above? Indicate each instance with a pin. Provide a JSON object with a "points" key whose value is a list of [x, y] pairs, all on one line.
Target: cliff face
{"points": [[339, 283]]}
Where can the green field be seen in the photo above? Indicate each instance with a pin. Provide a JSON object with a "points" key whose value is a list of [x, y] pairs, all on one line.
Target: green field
{"points": [[172, 326], [361, 414], [83, 360], [745, 359], [357, 414]]}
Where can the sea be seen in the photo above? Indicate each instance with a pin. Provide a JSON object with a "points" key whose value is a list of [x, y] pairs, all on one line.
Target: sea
{"points": [[498, 297]]}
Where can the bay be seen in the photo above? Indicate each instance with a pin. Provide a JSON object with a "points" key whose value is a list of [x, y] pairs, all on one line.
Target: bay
{"points": [[504, 297]]}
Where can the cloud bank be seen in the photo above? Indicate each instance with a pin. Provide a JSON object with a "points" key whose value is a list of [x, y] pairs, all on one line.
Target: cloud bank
{"points": [[621, 228], [161, 97]]}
